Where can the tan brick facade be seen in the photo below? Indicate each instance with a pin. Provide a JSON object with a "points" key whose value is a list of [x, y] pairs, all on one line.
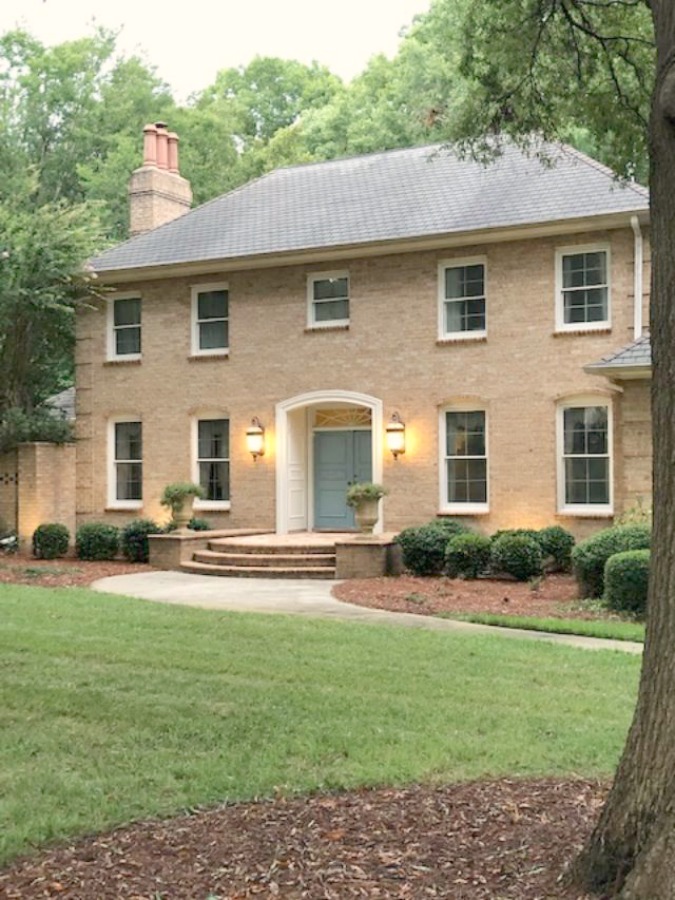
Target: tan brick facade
{"points": [[390, 352]]}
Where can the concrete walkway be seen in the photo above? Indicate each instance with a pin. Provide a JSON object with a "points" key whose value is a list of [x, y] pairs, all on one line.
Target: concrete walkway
{"points": [[307, 597]]}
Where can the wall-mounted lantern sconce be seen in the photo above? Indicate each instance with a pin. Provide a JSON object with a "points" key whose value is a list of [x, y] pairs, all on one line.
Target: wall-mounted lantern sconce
{"points": [[255, 438], [395, 431]]}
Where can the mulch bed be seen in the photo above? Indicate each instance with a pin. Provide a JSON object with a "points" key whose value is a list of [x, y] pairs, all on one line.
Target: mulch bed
{"points": [[503, 840], [498, 840]]}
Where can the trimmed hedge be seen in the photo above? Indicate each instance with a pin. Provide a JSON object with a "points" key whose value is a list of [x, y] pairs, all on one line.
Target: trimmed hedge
{"points": [[627, 582], [134, 539], [557, 544], [467, 555], [97, 541], [451, 527], [589, 557], [50, 541], [423, 549], [517, 555]]}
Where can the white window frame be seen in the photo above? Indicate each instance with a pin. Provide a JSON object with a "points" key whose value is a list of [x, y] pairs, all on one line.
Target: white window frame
{"points": [[111, 328], [205, 415], [198, 289], [583, 509], [445, 506], [113, 502], [326, 276], [560, 324], [460, 263]]}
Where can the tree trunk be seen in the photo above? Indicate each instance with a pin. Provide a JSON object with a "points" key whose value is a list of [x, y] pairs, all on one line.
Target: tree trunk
{"points": [[631, 853]]}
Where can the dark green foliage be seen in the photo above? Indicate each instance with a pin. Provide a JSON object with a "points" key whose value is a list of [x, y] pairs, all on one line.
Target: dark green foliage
{"points": [[450, 526], [467, 555], [196, 524], [50, 541], [134, 539], [519, 532], [18, 427], [517, 555], [423, 549], [557, 544], [97, 541], [627, 582], [589, 556]]}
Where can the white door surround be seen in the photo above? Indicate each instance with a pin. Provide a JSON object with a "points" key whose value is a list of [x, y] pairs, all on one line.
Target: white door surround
{"points": [[290, 444]]}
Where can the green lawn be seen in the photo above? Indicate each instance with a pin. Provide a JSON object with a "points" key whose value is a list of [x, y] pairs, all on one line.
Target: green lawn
{"points": [[113, 709], [613, 629]]}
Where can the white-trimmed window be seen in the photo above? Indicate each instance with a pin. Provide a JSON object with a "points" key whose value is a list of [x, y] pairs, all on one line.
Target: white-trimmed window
{"points": [[462, 309], [328, 299], [125, 480], [582, 288], [124, 328], [585, 457], [464, 463], [211, 437], [210, 319]]}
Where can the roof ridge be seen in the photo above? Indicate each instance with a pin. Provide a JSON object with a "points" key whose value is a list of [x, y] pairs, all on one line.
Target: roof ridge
{"points": [[354, 157]]}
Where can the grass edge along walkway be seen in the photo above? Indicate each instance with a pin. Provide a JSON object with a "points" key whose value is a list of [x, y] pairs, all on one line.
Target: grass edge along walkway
{"points": [[605, 629], [114, 709]]}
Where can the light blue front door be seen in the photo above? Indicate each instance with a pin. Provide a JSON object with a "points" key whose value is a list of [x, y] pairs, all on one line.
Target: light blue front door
{"points": [[340, 459]]}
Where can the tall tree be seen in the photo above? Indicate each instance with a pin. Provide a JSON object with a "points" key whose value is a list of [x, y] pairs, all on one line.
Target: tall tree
{"points": [[616, 60]]}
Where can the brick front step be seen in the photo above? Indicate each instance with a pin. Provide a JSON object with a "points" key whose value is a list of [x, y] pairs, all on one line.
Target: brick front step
{"points": [[225, 545], [200, 568], [282, 560]]}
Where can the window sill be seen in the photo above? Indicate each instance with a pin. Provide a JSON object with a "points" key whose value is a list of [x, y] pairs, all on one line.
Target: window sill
{"points": [[200, 357], [575, 332], [479, 338], [587, 512], [213, 506], [338, 326], [123, 361], [464, 510]]}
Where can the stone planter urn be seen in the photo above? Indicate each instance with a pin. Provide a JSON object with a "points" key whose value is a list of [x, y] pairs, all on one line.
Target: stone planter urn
{"points": [[366, 514], [179, 498], [364, 498]]}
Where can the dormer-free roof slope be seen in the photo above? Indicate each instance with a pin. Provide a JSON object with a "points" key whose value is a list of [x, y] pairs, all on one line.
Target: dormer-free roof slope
{"points": [[379, 198]]}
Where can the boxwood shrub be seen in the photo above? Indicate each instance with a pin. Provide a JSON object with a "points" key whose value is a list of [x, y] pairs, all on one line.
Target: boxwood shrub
{"points": [[50, 541], [451, 527], [518, 555], [589, 556], [627, 581], [557, 544], [423, 549], [96, 541], [467, 555], [134, 539]]}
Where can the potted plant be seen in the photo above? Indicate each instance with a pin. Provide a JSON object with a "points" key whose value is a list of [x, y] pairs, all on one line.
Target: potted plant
{"points": [[364, 498], [175, 497]]}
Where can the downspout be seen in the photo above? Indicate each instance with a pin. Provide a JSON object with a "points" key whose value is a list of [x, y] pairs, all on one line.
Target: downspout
{"points": [[637, 284]]}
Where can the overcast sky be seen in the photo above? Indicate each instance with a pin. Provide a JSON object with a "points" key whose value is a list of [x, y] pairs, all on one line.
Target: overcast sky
{"points": [[189, 48]]}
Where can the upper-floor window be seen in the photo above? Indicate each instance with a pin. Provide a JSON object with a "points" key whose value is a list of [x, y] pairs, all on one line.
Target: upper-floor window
{"points": [[583, 288], [462, 299], [328, 299], [210, 319], [124, 328], [212, 461], [585, 457], [125, 488], [464, 480]]}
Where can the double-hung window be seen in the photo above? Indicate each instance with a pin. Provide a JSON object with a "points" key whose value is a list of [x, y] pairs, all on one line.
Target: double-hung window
{"points": [[126, 464], [210, 320], [213, 461], [585, 457], [462, 299], [328, 299], [583, 289], [465, 461], [124, 328]]}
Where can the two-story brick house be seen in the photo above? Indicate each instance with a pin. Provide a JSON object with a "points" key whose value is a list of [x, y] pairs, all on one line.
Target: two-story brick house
{"points": [[327, 300]]}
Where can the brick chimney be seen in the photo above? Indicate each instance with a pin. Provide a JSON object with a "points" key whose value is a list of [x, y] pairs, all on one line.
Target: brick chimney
{"points": [[157, 192]]}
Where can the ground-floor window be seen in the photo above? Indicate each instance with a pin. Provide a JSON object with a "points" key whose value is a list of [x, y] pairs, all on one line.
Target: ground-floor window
{"points": [[127, 463], [213, 460], [585, 457], [465, 463]]}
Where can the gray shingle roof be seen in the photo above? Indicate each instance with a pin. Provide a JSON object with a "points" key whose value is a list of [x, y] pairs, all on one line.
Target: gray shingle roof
{"points": [[389, 196], [634, 356], [63, 403]]}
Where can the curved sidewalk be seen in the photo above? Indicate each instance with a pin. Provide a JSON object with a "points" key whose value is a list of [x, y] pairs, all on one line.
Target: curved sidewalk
{"points": [[308, 597]]}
